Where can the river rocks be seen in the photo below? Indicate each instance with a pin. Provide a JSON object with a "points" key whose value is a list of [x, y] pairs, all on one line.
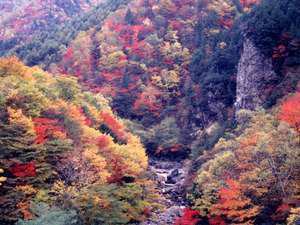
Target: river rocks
{"points": [[164, 165], [167, 217], [170, 177], [175, 173], [173, 177]]}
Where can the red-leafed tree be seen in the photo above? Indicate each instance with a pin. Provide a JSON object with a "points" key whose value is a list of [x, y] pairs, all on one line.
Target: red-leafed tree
{"points": [[23, 169], [117, 167], [280, 51], [46, 129], [78, 58], [189, 217], [226, 22], [103, 141], [281, 212], [114, 125], [216, 220], [233, 205], [248, 3], [290, 111]]}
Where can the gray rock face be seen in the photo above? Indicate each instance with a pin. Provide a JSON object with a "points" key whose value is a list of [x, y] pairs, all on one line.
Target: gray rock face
{"points": [[255, 72]]}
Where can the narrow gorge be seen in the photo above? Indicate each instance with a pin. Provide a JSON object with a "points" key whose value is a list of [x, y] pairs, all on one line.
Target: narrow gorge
{"points": [[149, 112], [171, 181]]}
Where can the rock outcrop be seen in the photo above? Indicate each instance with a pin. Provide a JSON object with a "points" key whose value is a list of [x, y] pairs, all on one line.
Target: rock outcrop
{"points": [[255, 74]]}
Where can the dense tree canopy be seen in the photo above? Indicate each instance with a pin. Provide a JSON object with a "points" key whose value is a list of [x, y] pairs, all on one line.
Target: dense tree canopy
{"points": [[56, 138], [168, 68], [253, 173]]}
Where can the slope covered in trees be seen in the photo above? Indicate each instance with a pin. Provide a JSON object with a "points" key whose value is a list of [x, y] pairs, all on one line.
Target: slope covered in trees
{"points": [[64, 151], [42, 43], [141, 56], [273, 26], [153, 57], [20, 18], [251, 176], [142, 59], [169, 68]]}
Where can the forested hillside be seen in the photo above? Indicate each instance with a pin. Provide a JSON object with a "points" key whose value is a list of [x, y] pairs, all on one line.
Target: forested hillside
{"points": [[48, 26], [65, 154], [150, 112], [20, 18]]}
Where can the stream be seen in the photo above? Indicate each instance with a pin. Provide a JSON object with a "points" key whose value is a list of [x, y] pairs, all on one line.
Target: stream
{"points": [[170, 177]]}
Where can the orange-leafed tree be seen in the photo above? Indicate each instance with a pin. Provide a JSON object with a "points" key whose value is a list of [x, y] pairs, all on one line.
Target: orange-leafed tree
{"points": [[290, 111], [72, 142], [233, 205], [24, 208], [114, 126], [11, 66]]}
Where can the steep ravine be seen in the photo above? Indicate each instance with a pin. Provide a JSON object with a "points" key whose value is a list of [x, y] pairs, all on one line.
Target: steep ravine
{"points": [[255, 72], [254, 75], [170, 177]]}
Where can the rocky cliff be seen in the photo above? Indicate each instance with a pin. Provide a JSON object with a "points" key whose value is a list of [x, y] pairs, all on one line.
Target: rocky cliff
{"points": [[255, 72]]}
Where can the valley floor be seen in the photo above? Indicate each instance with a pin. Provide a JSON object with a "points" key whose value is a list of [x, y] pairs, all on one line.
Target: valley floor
{"points": [[170, 177]]}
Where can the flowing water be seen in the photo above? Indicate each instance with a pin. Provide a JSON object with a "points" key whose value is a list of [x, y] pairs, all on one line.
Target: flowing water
{"points": [[170, 177]]}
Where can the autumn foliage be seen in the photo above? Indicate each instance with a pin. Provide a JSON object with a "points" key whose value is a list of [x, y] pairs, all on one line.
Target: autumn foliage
{"points": [[233, 205], [47, 128], [73, 138], [169, 68], [290, 111], [136, 43], [253, 174], [189, 217], [115, 126], [281, 212], [248, 3], [23, 169]]}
